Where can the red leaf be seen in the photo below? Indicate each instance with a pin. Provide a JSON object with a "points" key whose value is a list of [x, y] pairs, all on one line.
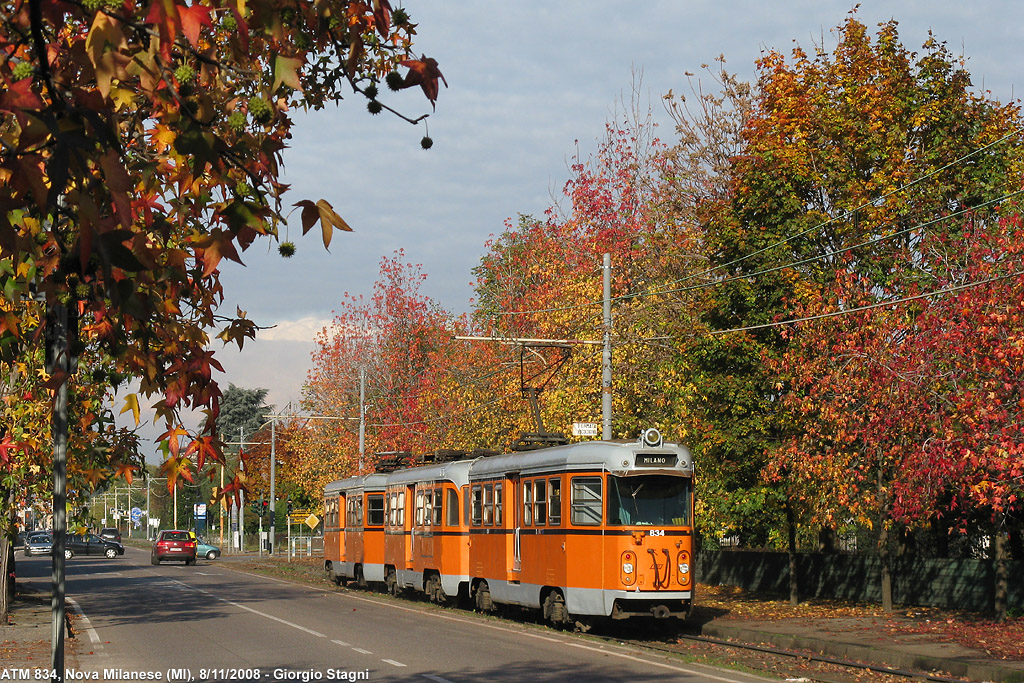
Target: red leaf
{"points": [[19, 96], [192, 19], [424, 73]]}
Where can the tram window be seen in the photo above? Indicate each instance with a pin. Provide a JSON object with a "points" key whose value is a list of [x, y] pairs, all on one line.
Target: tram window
{"points": [[497, 504], [438, 508], [654, 499], [555, 502], [540, 502], [488, 504], [400, 512], [392, 508], [477, 504], [527, 503], [452, 507], [375, 509], [585, 505]]}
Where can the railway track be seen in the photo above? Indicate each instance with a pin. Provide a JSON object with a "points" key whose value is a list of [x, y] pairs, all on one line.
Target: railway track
{"points": [[808, 666]]}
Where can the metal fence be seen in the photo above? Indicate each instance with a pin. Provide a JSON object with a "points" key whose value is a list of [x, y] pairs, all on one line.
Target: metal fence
{"points": [[948, 584]]}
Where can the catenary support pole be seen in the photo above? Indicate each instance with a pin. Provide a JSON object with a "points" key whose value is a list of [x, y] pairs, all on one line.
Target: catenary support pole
{"points": [[606, 356]]}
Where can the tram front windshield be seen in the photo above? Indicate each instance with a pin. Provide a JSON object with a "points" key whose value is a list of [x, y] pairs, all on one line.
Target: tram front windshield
{"points": [[654, 499]]}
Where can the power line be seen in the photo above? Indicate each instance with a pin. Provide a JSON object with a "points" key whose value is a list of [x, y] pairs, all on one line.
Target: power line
{"points": [[880, 304], [814, 228]]}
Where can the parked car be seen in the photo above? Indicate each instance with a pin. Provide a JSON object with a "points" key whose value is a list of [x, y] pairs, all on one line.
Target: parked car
{"points": [[91, 544], [111, 533], [38, 543], [173, 544], [204, 549]]}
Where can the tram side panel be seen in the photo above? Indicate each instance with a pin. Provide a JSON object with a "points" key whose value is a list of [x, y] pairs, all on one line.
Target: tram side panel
{"points": [[543, 543], [441, 553], [491, 544], [333, 535]]}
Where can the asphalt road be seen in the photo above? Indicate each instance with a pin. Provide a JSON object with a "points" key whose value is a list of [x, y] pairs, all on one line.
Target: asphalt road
{"points": [[208, 623]]}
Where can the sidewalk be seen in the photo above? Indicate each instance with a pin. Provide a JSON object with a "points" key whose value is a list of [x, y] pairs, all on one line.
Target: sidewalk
{"points": [[870, 640], [958, 645], [26, 641]]}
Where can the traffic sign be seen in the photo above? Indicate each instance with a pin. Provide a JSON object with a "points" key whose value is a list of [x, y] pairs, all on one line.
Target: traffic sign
{"points": [[136, 515], [585, 428]]}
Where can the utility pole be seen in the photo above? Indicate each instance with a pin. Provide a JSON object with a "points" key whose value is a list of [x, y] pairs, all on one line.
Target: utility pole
{"points": [[606, 355], [362, 417]]}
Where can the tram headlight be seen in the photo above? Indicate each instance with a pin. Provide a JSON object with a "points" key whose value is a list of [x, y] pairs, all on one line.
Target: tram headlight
{"points": [[628, 567], [683, 567]]}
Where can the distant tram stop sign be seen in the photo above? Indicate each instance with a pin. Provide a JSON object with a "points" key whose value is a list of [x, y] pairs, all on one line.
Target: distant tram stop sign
{"points": [[585, 428]]}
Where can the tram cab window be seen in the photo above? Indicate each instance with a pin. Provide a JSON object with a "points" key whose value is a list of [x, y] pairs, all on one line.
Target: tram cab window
{"points": [[476, 505], [452, 507], [650, 500], [554, 502], [585, 502], [438, 507], [540, 502], [375, 509]]}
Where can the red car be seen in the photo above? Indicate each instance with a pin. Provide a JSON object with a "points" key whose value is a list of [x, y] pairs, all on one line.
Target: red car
{"points": [[174, 545]]}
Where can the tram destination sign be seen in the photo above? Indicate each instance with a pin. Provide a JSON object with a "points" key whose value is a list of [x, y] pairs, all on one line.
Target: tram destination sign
{"points": [[655, 460]]}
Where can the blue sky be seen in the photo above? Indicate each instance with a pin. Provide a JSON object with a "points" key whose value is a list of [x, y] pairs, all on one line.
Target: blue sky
{"points": [[527, 80]]}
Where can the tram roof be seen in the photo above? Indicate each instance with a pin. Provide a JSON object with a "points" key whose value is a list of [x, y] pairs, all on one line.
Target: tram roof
{"points": [[375, 481], [456, 472], [612, 456]]}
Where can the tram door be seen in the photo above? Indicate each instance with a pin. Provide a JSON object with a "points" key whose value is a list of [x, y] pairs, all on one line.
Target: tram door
{"points": [[514, 493], [338, 517]]}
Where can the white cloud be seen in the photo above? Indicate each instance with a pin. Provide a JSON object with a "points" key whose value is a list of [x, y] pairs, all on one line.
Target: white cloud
{"points": [[304, 329]]}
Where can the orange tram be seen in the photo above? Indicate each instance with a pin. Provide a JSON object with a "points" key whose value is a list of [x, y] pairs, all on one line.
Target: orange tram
{"points": [[593, 529]]}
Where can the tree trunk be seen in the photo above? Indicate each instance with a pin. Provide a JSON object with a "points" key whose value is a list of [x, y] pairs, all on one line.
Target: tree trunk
{"points": [[6, 561], [794, 581], [1002, 578], [827, 540], [885, 560]]}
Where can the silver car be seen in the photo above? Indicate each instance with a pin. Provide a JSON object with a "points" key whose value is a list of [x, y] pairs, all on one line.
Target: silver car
{"points": [[38, 543]]}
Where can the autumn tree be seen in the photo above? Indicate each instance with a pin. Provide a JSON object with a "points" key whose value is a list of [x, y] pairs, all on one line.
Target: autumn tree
{"points": [[396, 346], [846, 158], [142, 144], [542, 279]]}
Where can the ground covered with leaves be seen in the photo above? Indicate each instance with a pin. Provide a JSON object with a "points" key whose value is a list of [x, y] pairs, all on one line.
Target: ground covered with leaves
{"points": [[1000, 640]]}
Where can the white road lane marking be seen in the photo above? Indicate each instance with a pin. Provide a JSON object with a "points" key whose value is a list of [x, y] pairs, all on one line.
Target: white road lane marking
{"points": [[255, 611], [86, 624], [341, 642], [392, 662], [362, 651]]}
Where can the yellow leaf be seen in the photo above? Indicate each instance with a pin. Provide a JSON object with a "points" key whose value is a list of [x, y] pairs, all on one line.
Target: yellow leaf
{"points": [[131, 402]]}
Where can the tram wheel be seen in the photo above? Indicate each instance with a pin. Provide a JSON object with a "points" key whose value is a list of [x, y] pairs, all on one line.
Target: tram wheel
{"points": [[434, 589], [554, 608], [483, 597]]}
